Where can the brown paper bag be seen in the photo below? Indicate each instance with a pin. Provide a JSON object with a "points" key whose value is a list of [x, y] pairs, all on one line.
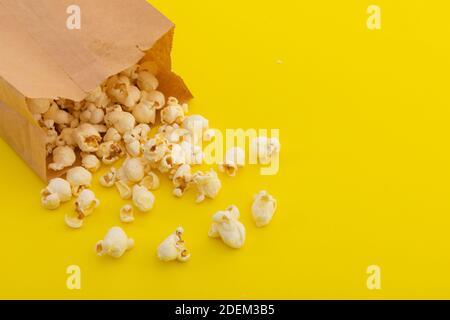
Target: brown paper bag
{"points": [[41, 58]]}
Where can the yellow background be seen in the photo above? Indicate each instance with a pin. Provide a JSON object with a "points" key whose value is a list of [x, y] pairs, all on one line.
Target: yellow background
{"points": [[364, 175]]}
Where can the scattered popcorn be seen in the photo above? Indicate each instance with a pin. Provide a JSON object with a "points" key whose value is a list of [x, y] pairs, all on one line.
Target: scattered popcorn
{"points": [[143, 198], [144, 112], [124, 189], [181, 180], [87, 137], [172, 248], [119, 88], [141, 132], [227, 226], [112, 135], [79, 178], [263, 208], [122, 121], [109, 152], [115, 122], [265, 148], [115, 243], [132, 144], [86, 203], [208, 184], [155, 149], [98, 97], [127, 214], [197, 125], [172, 114], [234, 158], [57, 191], [63, 157], [147, 81], [92, 114], [155, 97], [150, 181], [90, 162], [195, 122], [108, 179], [51, 201], [134, 169], [131, 72], [73, 220]]}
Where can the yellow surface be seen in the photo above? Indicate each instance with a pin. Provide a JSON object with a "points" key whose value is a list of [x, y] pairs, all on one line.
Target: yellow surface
{"points": [[364, 176]]}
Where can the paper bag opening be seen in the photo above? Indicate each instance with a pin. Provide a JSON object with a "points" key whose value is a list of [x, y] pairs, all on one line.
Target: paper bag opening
{"points": [[41, 58]]}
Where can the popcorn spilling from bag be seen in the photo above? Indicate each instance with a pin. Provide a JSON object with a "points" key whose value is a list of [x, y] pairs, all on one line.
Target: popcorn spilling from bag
{"points": [[115, 122]]}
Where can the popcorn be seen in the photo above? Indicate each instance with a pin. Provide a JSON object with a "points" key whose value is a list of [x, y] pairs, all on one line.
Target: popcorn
{"points": [[124, 189], [143, 199], [134, 138], [133, 147], [50, 140], [92, 114], [134, 169], [166, 164], [182, 180], [109, 178], [63, 157], [79, 178], [38, 106], [87, 137], [74, 220], [227, 226], [155, 97], [67, 138], [150, 181], [173, 133], [109, 152], [131, 72], [57, 115], [141, 132], [112, 135], [155, 148], [90, 162], [57, 191], [172, 114], [207, 184], [172, 159], [115, 120], [172, 248], [115, 243], [127, 214], [263, 208], [86, 203], [98, 97], [147, 81], [234, 158], [144, 112], [265, 148], [120, 89], [50, 201], [196, 123], [122, 121]]}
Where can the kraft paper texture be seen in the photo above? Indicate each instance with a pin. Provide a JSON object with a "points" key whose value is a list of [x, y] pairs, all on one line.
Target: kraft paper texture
{"points": [[41, 58]]}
